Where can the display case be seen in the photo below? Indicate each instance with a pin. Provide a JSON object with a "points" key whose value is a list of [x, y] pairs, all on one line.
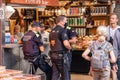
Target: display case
{"points": [[84, 16]]}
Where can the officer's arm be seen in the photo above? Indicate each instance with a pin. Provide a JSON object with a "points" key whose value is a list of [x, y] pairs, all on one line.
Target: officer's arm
{"points": [[72, 34], [73, 40], [65, 40], [66, 44], [41, 48]]}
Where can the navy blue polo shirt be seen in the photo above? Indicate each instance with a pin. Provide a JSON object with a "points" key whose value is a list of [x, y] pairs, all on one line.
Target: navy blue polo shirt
{"points": [[62, 37], [70, 32], [62, 31], [31, 43]]}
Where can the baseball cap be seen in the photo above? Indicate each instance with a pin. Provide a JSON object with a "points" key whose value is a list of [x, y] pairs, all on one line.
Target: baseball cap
{"points": [[36, 24], [42, 25]]}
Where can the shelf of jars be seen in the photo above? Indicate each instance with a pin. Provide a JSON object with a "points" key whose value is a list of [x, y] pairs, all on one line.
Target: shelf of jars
{"points": [[77, 26], [103, 15], [100, 11], [71, 12], [85, 3]]}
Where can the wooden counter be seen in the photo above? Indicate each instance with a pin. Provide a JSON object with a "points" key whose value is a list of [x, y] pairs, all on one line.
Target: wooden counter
{"points": [[12, 55]]}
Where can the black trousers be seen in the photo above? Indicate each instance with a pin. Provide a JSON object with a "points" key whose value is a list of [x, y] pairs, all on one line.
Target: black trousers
{"points": [[60, 66], [69, 62], [44, 66]]}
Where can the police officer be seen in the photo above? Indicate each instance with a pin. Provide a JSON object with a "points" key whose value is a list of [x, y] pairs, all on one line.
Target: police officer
{"points": [[32, 48], [60, 47], [72, 39]]}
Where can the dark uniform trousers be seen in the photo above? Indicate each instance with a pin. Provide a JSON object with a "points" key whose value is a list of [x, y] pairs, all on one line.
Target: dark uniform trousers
{"points": [[44, 66], [60, 64], [69, 61]]}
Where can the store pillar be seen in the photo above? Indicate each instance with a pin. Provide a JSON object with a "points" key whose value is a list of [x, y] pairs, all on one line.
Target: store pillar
{"points": [[1, 28]]}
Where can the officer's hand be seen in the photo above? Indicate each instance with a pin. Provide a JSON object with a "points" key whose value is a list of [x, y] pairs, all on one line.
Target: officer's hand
{"points": [[41, 48], [19, 42], [69, 51]]}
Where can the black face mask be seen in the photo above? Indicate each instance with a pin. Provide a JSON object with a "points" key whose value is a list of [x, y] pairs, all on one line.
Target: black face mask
{"points": [[66, 24]]}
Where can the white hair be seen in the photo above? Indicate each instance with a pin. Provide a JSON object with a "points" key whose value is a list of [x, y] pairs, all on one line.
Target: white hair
{"points": [[102, 31]]}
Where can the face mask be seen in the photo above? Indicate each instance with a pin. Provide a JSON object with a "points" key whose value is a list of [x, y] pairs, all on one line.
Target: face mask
{"points": [[66, 24]]}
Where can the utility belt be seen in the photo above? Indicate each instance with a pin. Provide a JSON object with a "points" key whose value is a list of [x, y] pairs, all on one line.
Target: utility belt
{"points": [[57, 54]]}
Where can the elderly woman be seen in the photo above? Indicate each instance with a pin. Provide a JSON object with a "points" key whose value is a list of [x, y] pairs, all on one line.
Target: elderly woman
{"points": [[108, 55], [18, 35]]}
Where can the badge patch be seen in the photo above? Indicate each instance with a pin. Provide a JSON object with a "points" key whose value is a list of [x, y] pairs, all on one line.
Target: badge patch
{"points": [[52, 42], [26, 38]]}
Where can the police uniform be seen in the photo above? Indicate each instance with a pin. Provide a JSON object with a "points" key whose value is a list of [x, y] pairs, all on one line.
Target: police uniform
{"points": [[31, 43], [58, 53], [71, 33]]}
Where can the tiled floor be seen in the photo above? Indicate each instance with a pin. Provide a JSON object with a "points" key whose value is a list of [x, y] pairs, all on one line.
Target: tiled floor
{"points": [[80, 77], [76, 76]]}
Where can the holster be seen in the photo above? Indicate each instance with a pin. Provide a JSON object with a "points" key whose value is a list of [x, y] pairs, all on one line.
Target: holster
{"points": [[56, 54]]}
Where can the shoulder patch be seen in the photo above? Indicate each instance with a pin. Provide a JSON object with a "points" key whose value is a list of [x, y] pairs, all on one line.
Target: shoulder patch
{"points": [[65, 35], [68, 27], [27, 38], [73, 31]]}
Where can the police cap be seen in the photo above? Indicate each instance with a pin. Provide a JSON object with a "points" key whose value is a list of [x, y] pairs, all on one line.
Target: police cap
{"points": [[36, 24]]}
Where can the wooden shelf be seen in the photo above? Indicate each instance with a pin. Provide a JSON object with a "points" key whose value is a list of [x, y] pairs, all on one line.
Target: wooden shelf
{"points": [[78, 26], [100, 15], [46, 16], [77, 15]]}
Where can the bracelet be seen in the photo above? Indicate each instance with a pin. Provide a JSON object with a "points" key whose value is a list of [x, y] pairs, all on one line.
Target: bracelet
{"points": [[113, 64]]}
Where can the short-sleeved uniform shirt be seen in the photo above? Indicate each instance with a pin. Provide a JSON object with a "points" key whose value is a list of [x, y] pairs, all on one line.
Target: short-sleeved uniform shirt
{"points": [[70, 32], [62, 36], [31, 43]]}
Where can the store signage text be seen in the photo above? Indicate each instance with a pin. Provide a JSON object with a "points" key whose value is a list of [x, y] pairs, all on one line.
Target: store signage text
{"points": [[36, 2]]}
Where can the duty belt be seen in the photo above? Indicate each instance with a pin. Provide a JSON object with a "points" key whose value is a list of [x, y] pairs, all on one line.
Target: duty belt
{"points": [[59, 52]]}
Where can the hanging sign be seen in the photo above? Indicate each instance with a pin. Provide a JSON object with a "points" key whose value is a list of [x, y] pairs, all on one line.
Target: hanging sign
{"points": [[37, 2], [26, 1], [1, 13], [52, 2]]}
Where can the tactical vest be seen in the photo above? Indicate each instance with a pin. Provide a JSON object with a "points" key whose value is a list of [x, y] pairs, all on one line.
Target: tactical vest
{"points": [[30, 47], [56, 44]]}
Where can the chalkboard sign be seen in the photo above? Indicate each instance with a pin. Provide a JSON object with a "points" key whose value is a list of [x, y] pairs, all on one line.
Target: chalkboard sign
{"points": [[30, 14]]}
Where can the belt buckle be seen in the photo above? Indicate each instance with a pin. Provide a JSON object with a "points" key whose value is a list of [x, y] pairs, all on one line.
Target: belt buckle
{"points": [[60, 55]]}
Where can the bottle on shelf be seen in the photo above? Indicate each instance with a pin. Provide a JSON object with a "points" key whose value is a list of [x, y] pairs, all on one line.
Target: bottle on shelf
{"points": [[7, 38]]}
